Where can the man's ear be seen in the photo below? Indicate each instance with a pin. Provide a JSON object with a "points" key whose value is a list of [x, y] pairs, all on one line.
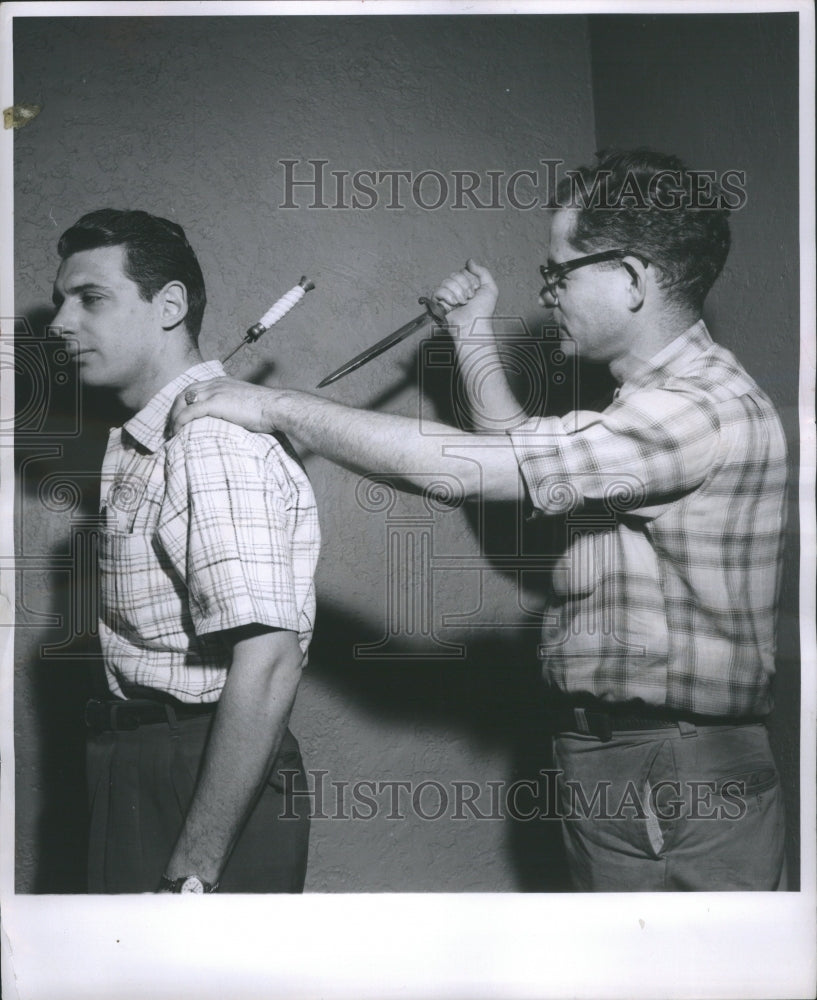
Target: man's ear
{"points": [[637, 288], [173, 304]]}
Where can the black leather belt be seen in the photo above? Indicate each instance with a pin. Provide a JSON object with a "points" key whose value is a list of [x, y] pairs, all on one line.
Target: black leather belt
{"points": [[602, 723], [120, 716]]}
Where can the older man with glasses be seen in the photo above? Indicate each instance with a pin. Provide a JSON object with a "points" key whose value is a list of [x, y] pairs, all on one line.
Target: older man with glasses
{"points": [[658, 635]]}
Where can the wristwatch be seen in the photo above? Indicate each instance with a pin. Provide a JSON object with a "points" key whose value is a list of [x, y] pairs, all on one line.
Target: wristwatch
{"points": [[186, 883]]}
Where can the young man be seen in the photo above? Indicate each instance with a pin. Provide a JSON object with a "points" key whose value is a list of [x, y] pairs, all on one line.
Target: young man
{"points": [[658, 636], [208, 546]]}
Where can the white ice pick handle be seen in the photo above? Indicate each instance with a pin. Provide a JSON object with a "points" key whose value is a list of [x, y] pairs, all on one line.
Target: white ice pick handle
{"points": [[280, 308]]}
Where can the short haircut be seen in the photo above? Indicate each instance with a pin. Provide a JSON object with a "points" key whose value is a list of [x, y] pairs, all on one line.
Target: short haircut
{"points": [[156, 252], [648, 202]]}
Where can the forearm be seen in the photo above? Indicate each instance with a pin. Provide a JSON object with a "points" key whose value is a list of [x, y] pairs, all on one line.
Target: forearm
{"points": [[493, 406], [374, 443], [250, 722], [471, 296]]}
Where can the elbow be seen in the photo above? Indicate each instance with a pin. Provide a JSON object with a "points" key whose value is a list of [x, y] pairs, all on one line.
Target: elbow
{"points": [[285, 670], [453, 488], [277, 689], [269, 662]]}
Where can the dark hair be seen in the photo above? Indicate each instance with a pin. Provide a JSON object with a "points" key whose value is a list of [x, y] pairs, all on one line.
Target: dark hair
{"points": [[156, 252], [652, 203]]}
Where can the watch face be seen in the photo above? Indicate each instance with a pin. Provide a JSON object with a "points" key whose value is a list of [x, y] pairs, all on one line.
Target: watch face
{"points": [[192, 884]]}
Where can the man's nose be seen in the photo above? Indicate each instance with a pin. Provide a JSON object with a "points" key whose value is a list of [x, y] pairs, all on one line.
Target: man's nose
{"points": [[61, 323]]}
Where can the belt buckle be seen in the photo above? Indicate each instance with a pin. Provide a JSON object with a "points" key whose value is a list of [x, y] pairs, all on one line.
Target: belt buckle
{"points": [[91, 715]]}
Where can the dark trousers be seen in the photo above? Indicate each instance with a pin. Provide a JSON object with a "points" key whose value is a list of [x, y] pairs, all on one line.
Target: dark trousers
{"points": [[140, 784]]}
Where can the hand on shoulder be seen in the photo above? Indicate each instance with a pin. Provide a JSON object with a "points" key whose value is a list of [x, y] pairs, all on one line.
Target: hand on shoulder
{"points": [[227, 398]]}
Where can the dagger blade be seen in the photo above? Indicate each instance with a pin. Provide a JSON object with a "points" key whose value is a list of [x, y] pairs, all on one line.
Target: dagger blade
{"points": [[434, 312]]}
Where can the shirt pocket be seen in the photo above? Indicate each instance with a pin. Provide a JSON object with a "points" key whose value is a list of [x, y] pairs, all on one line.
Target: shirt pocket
{"points": [[125, 503], [141, 595]]}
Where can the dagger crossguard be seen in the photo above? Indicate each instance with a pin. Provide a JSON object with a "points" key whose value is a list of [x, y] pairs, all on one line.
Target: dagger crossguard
{"points": [[436, 309]]}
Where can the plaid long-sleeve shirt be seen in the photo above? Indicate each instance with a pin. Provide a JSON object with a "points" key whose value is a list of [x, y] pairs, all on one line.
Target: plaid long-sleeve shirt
{"points": [[674, 502], [206, 531]]}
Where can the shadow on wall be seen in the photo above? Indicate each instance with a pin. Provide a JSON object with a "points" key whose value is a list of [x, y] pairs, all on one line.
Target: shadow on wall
{"points": [[494, 697], [59, 442]]}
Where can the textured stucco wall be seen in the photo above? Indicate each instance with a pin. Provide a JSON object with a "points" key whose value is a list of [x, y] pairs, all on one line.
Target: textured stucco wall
{"points": [[722, 93], [189, 118]]}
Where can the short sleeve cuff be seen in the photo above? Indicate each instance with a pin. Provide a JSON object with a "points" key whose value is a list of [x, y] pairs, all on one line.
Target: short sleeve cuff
{"points": [[242, 613], [536, 446]]}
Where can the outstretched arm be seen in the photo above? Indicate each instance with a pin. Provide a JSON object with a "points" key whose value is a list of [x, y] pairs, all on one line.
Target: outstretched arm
{"points": [[365, 442]]}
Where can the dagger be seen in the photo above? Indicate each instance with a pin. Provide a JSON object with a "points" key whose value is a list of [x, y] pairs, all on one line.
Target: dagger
{"points": [[435, 311]]}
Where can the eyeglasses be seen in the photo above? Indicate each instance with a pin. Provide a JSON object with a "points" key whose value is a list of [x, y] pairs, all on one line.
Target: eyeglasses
{"points": [[556, 273]]}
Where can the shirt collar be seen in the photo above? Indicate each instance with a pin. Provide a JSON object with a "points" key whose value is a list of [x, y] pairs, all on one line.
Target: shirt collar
{"points": [[149, 426], [672, 359]]}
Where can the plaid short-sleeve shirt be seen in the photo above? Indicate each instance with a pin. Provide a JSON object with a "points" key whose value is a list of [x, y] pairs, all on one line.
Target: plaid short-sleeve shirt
{"points": [[206, 531], [674, 499]]}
